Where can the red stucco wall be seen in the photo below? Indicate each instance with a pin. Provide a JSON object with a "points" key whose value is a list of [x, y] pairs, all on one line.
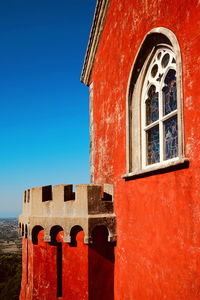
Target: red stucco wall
{"points": [[87, 271], [158, 217], [75, 270], [41, 282]]}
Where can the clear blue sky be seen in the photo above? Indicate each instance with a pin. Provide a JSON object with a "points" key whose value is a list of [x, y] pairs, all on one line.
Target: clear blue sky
{"points": [[44, 119]]}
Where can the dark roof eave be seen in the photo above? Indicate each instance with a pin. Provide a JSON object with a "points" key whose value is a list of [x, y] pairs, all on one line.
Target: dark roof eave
{"points": [[94, 39]]}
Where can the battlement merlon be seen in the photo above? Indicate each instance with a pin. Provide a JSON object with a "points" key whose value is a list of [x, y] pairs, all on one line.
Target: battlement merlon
{"points": [[88, 207], [61, 200]]}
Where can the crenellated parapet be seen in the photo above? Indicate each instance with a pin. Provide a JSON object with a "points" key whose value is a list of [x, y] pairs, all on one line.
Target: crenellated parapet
{"points": [[88, 207]]}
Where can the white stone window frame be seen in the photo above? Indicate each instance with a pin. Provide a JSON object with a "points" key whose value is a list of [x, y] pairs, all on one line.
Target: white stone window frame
{"points": [[135, 166]]}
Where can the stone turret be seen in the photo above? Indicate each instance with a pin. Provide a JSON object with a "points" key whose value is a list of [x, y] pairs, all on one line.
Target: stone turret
{"points": [[88, 207]]}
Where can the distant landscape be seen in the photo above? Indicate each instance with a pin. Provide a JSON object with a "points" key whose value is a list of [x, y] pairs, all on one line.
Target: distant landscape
{"points": [[10, 259]]}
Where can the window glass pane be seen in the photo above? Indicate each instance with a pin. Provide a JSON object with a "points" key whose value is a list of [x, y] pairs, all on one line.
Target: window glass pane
{"points": [[169, 92], [165, 60], [153, 147], [152, 112], [171, 138]]}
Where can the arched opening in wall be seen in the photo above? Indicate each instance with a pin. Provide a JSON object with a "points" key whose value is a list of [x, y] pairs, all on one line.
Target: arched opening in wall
{"points": [[22, 229], [73, 233], [155, 134], [56, 240], [35, 232], [101, 265], [26, 231]]}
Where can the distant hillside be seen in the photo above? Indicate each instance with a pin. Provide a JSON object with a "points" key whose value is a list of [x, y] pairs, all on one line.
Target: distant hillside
{"points": [[10, 259], [10, 242], [10, 276]]}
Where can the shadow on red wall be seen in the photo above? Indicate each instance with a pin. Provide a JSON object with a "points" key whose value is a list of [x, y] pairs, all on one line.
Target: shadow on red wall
{"points": [[101, 261], [71, 271]]}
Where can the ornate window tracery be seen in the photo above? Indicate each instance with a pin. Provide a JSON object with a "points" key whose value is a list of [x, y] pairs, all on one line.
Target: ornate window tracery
{"points": [[159, 109]]}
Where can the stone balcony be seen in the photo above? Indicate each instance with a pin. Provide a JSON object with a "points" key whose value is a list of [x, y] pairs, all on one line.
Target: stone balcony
{"points": [[88, 207]]}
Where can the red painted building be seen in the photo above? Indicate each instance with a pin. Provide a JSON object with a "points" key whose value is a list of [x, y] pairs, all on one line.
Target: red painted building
{"points": [[142, 69]]}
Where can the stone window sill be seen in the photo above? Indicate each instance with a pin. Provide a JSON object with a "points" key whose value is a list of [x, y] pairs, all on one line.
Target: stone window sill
{"points": [[181, 163]]}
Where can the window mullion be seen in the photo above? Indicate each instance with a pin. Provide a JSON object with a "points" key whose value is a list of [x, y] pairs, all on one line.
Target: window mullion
{"points": [[161, 124], [143, 133], [170, 115], [151, 125]]}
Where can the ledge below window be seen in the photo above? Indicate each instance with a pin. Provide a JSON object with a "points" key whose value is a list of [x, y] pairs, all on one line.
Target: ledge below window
{"points": [[171, 166]]}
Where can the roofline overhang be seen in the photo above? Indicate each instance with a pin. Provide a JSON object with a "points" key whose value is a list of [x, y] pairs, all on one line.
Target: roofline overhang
{"points": [[94, 39]]}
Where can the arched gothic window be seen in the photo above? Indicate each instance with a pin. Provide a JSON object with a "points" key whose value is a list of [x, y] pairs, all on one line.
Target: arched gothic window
{"points": [[159, 109], [155, 137]]}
